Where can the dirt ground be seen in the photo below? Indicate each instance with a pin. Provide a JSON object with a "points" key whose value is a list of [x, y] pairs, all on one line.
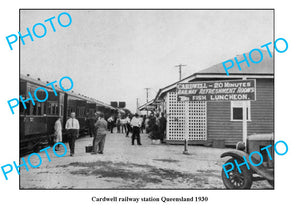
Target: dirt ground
{"points": [[123, 166]]}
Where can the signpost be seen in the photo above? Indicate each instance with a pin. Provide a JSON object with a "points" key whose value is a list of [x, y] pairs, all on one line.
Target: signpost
{"points": [[218, 91], [187, 130]]}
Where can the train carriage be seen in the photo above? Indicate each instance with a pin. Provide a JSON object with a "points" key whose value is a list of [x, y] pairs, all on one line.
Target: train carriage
{"points": [[37, 121]]}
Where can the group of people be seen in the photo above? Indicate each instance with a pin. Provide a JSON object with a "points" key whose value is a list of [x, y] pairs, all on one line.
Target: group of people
{"points": [[102, 126], [72, 127], [127, 124], [155, 126], [121, 122]]}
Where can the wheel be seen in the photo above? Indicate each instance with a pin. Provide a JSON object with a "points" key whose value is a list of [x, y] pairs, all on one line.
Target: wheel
{"points": [[271, 182], [237, 180]]}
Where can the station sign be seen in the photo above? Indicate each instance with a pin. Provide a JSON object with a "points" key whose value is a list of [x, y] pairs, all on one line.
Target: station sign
{"points": [[150, 107], [224, 90]]}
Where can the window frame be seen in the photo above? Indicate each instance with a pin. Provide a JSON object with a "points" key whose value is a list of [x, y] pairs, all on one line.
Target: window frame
{"points": [[239, 104]]}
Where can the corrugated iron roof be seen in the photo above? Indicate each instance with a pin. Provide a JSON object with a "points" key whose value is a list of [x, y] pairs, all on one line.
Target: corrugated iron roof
{"points": [[264, 69], [266, 66]]}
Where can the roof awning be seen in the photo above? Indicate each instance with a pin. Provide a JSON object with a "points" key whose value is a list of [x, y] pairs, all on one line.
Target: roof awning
{"points": [[151, 105]]}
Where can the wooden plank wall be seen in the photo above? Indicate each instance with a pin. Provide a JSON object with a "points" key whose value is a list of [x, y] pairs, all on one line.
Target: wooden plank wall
{"points": [[219, 126]]}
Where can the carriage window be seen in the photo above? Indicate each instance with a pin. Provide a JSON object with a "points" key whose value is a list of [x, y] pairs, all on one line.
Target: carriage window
{"points": [[28, 108], [43, 111], [70, 110], [34, 109], [21, 110], [24, 111], [39, 109], [80, 111], [52, 108], [49, 109], [56, 109], [61, 110], [91, 112], [237, 110]]}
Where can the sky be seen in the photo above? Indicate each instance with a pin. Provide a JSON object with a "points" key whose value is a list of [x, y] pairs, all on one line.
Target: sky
{"points": [[113, 55]]}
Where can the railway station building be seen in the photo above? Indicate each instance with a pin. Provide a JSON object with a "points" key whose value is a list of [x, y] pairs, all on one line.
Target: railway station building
{"points": [[220, 123]]}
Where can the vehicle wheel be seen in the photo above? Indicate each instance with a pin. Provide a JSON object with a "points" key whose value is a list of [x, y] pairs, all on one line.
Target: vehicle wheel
{"points": [[237, 180], [271, 182]]}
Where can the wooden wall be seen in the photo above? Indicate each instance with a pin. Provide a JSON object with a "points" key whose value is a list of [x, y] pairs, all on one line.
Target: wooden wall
{"points": [[219, 125]]}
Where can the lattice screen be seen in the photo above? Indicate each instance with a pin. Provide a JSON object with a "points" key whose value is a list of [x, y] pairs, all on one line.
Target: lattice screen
{"points": [[176, 119]]}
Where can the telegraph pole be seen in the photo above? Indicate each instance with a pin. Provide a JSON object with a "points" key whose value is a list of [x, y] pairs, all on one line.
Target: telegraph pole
{"points": [[137, 104], [147, 95], [187, 125], [180, 66]]}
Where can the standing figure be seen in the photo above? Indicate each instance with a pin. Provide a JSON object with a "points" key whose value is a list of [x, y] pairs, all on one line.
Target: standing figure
{"points": [[162, 126], [118, 124], [58, 132], [156, 131], [110, 121], [143, 127], [151, 125], [101, 128], [124, 125], [141, 120], [91, 121], [128, 129], [72, 127], [147, 124], [136, 124]]}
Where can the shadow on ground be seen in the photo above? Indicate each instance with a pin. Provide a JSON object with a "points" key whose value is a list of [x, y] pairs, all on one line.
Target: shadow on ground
{"points": [[137, 176]]}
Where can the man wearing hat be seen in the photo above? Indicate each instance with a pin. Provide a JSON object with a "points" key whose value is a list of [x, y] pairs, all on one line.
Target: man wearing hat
{"points": [[100, 133], [136, 124]]}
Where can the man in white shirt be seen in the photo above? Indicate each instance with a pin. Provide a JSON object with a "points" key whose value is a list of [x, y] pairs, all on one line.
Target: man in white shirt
{"points": [[123, 125], [72, 127], [136, 124], [111, 123]]}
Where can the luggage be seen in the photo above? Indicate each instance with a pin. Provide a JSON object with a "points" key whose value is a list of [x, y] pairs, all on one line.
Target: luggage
{"points": [[88, 149]]}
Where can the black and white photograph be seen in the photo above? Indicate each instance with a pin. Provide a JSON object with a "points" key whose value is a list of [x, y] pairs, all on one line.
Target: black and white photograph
{"points": [[127, 108], [146, 99]]}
